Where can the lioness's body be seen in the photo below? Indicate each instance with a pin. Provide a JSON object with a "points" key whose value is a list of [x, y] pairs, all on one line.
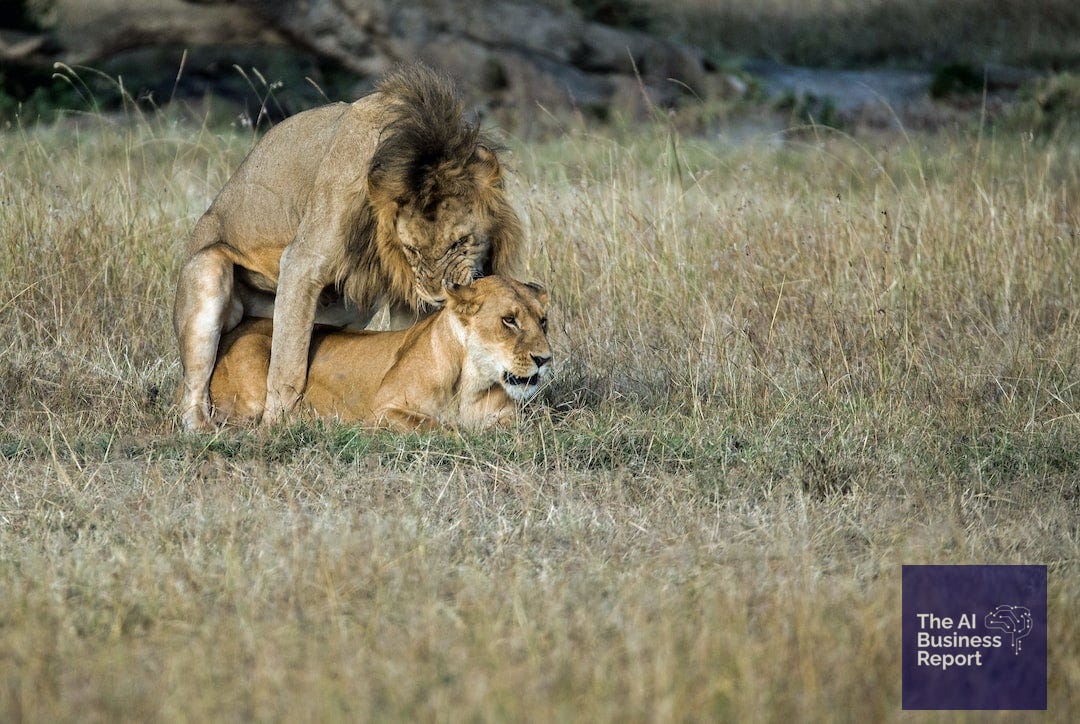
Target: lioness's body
{"points": [[454, 368], [336, 212]]}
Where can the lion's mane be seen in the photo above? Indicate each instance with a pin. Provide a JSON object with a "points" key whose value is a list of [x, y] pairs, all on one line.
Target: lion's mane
{"points": [[427, 153]]}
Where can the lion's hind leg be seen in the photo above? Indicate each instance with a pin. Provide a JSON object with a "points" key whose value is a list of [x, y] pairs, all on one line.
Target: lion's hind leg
{"points": [[206, 306]]}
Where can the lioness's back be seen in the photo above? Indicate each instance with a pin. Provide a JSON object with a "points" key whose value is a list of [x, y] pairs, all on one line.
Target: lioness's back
{"points": [[355, 361], [346, 369]]}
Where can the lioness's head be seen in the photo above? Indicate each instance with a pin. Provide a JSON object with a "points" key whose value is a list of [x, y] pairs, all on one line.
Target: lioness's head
{"points": [[436, 187], [503, 325]]}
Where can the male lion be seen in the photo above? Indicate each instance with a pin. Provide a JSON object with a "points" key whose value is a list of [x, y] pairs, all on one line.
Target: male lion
{"points": [[335, 212], [464, 366]]}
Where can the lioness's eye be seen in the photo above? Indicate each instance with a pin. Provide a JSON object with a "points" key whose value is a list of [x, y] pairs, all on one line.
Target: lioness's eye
{"points": [[510, 321], [460, 243]]}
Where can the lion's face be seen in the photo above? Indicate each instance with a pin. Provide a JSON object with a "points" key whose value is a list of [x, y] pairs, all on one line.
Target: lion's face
{"points": [[448, 244], [505, 332]]}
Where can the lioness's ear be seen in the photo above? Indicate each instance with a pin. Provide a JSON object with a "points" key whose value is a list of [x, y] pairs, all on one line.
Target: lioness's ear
{"points": [[541, 292], [460, 293], [460, 297], [452, 290], [486, 164]]}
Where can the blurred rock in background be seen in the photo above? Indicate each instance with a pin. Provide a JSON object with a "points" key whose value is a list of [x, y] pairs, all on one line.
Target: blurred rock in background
{"points": [[513, 59]]}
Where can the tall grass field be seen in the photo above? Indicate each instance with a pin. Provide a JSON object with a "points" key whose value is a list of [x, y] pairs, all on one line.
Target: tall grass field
{"points": [[786, 367]]}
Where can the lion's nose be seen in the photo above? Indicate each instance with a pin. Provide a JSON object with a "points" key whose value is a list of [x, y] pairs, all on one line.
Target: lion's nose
{"points": [[540, 361]]}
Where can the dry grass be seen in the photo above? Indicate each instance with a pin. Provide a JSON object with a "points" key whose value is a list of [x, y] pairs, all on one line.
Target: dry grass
{"points": [[787, 369]]}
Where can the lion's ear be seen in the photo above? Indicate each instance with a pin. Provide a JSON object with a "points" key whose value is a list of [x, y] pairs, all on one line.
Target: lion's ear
{"points": [[383, 186], [486, 165], [507, 238], [541, 292]]}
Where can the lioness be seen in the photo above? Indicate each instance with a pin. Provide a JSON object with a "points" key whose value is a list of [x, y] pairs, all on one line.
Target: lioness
{"points": [[334, 213], [464, 366]]}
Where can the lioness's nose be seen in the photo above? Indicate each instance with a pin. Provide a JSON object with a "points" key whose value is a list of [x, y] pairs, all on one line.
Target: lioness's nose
{"points": [[540, 361]]}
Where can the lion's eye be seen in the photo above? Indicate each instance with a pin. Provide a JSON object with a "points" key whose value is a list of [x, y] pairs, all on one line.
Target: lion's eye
{"points": [[543, 324], [510, 321], [460, 243]]}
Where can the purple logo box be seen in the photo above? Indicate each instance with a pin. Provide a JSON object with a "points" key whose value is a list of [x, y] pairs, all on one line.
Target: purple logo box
{"points": [[974, 637]]}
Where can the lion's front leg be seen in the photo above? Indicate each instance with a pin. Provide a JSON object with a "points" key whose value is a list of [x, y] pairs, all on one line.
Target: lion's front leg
{"points": [[206, 306], [299, 285]]}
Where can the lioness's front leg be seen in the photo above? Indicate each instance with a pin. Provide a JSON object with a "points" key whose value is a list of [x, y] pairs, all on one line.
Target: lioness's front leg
{"points": [[300, 281], [406, 420]]}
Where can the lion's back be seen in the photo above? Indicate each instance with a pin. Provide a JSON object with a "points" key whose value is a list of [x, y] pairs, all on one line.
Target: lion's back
{"points": [[325, 148]]}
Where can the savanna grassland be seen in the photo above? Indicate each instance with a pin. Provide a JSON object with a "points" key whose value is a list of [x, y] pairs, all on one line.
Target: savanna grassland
{"points": [[786, 367]]}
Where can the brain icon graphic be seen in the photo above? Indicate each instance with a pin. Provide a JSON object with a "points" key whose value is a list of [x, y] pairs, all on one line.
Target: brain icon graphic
{"points": [[1013, 620]]}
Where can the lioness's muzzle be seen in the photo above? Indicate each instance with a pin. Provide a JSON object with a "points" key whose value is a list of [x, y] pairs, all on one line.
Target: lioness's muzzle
{"points": [[515, 380]]}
